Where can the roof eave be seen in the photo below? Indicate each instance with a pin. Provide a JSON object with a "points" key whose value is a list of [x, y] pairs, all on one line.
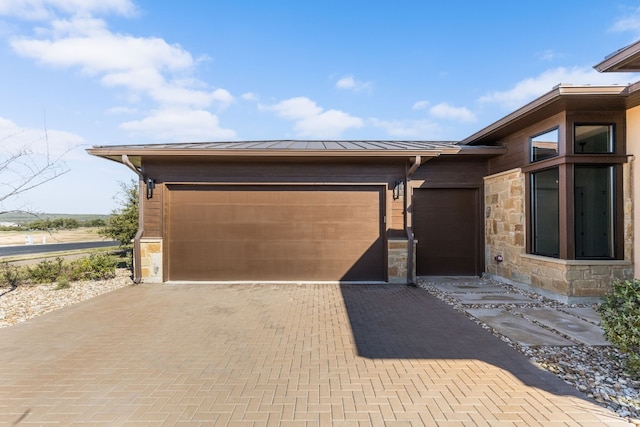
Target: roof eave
{"points": [[115, 153], [549, 98], [626, 59]]}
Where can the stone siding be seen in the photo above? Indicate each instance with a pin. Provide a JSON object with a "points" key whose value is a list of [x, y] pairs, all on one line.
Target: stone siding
{"points": [[505, 239], [151, 260], [397, 253]]}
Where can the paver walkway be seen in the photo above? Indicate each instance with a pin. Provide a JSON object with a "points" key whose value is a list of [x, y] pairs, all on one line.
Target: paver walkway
{"points": [[519, 317], [299, 355]]}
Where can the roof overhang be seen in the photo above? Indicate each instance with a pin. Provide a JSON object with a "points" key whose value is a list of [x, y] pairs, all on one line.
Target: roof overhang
{"points": [[626, 59], [561, 98], [307, 150]]}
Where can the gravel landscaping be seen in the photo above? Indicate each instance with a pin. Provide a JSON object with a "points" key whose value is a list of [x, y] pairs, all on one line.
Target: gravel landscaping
{"points": [[596, 371], [29, 301]]}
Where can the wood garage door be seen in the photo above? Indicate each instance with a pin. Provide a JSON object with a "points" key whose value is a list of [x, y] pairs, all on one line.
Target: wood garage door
{"points": [[275, 233], [446, 224]]}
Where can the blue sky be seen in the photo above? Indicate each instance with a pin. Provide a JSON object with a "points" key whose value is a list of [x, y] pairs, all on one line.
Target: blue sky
{"points": [[78, 73]]}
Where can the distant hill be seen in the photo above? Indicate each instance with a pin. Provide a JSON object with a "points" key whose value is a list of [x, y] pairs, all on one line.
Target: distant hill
{"points": [[22, 218]]}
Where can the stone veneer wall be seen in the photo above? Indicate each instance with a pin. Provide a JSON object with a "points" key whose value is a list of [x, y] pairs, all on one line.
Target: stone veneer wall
{"points": [[151, 260], [397, 255], [505, 236]]}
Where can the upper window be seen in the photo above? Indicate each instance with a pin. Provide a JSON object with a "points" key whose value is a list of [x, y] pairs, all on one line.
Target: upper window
{"points": [[590, 139], [545, 145]]}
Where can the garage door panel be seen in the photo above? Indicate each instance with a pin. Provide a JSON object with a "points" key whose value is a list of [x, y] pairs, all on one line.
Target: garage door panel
{"points": [[275, 233], [322, 251], [314, 214]]}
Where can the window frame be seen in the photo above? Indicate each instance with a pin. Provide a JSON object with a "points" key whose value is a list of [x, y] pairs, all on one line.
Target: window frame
{"points": [[532, 151], [611, 205], [612, 138], [533, 213], [565, 161]]}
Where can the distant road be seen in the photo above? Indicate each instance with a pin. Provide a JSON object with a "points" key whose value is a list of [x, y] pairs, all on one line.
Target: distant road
{"points": [[56, 247]]}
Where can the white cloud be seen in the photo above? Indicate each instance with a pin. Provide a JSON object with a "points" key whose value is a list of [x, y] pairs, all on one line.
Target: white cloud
{"points": [[89, 45], [295, 108], [250, 96], [31, 158], [179, 125], [420, 105], [628, 23], [350, 83], [446, 111], [41, 142], [145, 67], [47, 9], [549, 55], [121, 110], [313, 121], [418, 129], [529, 89]]}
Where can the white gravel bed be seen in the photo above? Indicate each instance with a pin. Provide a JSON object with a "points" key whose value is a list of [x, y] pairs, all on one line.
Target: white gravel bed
{"points": [[596, 371], [29, 301]]}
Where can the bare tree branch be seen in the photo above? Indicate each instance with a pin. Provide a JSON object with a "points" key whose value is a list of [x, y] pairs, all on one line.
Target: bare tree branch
{"points": [[23, 169]]}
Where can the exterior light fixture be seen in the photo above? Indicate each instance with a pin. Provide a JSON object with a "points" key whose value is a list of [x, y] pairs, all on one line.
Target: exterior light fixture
{"points": [[151, 184], [398, 189]]}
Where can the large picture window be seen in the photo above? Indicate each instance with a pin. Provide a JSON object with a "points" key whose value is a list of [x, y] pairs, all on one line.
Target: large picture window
{"points": [[594, 211], [545, 213]]}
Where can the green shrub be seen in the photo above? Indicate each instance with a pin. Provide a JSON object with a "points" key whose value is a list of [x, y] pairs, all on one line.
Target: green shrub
{"points": [[63, 283], [620, 314], [46, 271], [10, 275], [97, 266]]}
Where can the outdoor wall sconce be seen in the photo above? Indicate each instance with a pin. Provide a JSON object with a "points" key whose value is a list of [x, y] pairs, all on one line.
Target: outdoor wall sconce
{"points": [[151, 184], [398, 189], [498, 258]]}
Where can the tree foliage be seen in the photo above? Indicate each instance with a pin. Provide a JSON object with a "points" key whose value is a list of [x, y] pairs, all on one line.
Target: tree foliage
{"points": [[53, 224], [122, 225]]}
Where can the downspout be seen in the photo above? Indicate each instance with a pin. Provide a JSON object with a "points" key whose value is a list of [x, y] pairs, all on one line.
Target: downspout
{"points": [[137, 259], [408, 193]]}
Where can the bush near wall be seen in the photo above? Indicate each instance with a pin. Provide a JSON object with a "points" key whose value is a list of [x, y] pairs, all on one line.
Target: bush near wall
{"points": [[99, 266], [620, 314]]}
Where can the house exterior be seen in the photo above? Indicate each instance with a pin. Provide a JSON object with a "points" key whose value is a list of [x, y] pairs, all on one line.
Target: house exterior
{"points": [[308, 210], [558, 204], [542, 198]]}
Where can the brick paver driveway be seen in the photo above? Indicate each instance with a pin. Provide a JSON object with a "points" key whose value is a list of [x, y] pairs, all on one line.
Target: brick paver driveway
{"points": [[273, 355]]}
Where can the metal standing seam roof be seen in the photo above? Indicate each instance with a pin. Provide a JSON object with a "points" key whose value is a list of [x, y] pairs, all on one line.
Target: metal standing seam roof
{"points": [[292, 148], [304, 145]]}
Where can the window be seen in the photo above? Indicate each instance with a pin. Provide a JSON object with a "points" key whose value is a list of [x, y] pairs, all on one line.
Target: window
{"points": [[545, 145], [575, 203], [591, 139], [594, 207], [545, 211]]}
